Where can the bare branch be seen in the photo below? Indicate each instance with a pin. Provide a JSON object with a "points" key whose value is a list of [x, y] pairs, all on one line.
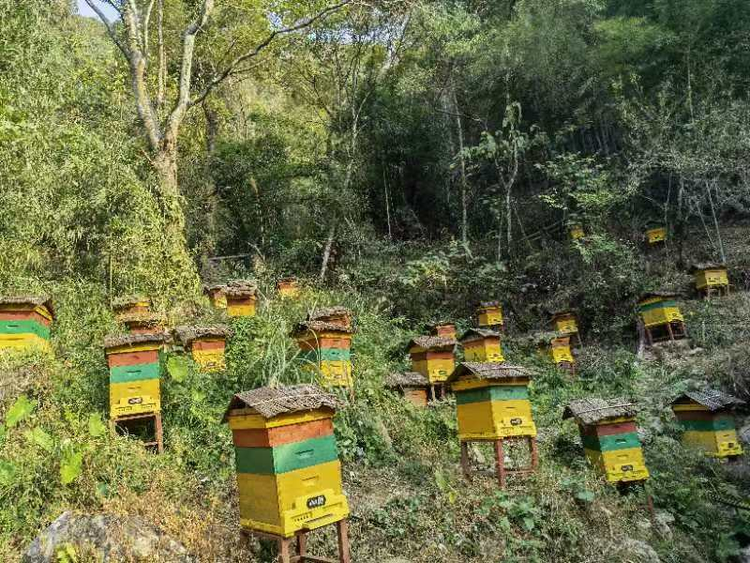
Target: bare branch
{"points": [[110, 28], [146, 24], [229, 70]]}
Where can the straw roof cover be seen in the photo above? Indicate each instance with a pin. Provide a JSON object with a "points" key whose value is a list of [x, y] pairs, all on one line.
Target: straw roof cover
{"points": [[479, 334], [125, 301], [489, 304], [325, 313], [115, 341], [34, 300], [209, 289], [659, 293], [319, 326], [701, 266], [432, 343], [595, 410], [489, 371], [269, 402], [149, 319], [712, 399], [186, 334], [240, 289], [405, 380]]}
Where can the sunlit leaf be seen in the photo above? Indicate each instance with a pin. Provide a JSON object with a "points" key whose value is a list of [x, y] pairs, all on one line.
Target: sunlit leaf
{"points": [[21, 409]]}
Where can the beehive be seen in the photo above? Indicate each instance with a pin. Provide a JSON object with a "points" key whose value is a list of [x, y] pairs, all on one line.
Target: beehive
{"points": [[339, 316], [131, 304], [288, 471], [708, 423], [444, 330], [710, 277], [216, 294], [25, 322], [565, 322], [242, 298], [325, 347], [610, 437], [482, 345], [576, 231], [142, 322], [433, 357], [490, 314], [556, 347], [412, 385], [661, 316], [656, 235], [134, 373], [492, 401], [288, 288], [206, 344]]}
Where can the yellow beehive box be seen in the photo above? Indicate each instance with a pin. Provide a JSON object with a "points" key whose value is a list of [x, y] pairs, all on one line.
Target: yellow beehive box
{"points": [[661, 316], [556, 347], [242, 298], [492, 401], [710, 277], [216, 294], [25, 323], [656, 235], [432, 356], [412, 385], [130, 305], [482, 345], [288, 288], [325, 349], [610, 437], [489, 314], [206, 345], [288, 471], [565, 322], [576, 231], [708, 423]]}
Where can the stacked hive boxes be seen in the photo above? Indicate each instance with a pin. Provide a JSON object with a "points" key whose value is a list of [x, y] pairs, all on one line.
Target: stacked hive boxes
{"points": [[661, 315], [242, 298], [206, 344], [134, 374], [708, 422], [288, 472], [412, 385], [492, 401], [482, 345], [610, 437], [490, 315], [710, 277], [325, 341], [25, 322], [433, 357], [565, 323]]}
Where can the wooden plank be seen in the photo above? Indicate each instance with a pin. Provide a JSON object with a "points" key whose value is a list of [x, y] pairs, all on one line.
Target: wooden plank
{"points": [[270, 437]]}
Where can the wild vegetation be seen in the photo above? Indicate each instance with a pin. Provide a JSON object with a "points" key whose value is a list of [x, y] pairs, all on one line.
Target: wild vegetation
{"points": [[405, 158]]}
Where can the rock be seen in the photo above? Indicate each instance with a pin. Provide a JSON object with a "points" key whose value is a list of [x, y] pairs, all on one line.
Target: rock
{"points": [[744, 433], [639, 551], [106, 538], [744, 556], [663, 523]]}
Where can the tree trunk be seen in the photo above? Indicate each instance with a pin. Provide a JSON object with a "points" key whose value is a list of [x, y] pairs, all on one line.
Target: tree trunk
{"points": [[327, 252], [462, 161]]}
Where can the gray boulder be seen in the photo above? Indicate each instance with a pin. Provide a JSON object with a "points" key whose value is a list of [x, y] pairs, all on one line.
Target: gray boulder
{"points": [[107, 537]]}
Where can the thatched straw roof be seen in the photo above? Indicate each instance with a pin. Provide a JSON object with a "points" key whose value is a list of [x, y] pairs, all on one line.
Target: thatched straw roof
{"points": [[148, 319], [433, 343], [240, 289], [659, 293], [406, 380], [700, 266], [319, 326], [325, 313], [187, 334], [479, 334], [209, 289], [489, 304], [115, 341], [125, 301], [489, 371], [33, 300], [712, 399], [269, 402], [595, 410]]}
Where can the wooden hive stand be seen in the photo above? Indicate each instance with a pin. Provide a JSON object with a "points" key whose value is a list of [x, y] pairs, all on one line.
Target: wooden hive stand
{"points": [[492, 406], [128, 423], [288, 471], [661, 317]]}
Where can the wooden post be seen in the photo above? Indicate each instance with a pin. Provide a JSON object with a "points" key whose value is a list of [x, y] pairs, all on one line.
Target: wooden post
{"points": [[302, 544], [159, 433], [500, 462], [284, 556], [671, 333], [342, 527], [534, 452], [465, 462]]}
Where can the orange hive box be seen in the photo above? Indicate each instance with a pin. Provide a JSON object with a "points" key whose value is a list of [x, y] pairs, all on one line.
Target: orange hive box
{"points": [[206, 345], [25, 322], [130, 304], [288, 288], [412, 385], [444, 329]]}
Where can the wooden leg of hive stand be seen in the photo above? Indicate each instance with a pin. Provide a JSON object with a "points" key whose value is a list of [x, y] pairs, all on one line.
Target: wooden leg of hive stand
{"points": [[649, 337], [284, 556], [670, 331], [159, 433], [342, 527], [534, 453], [500, 462], [465, 462], [302, 545]]}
